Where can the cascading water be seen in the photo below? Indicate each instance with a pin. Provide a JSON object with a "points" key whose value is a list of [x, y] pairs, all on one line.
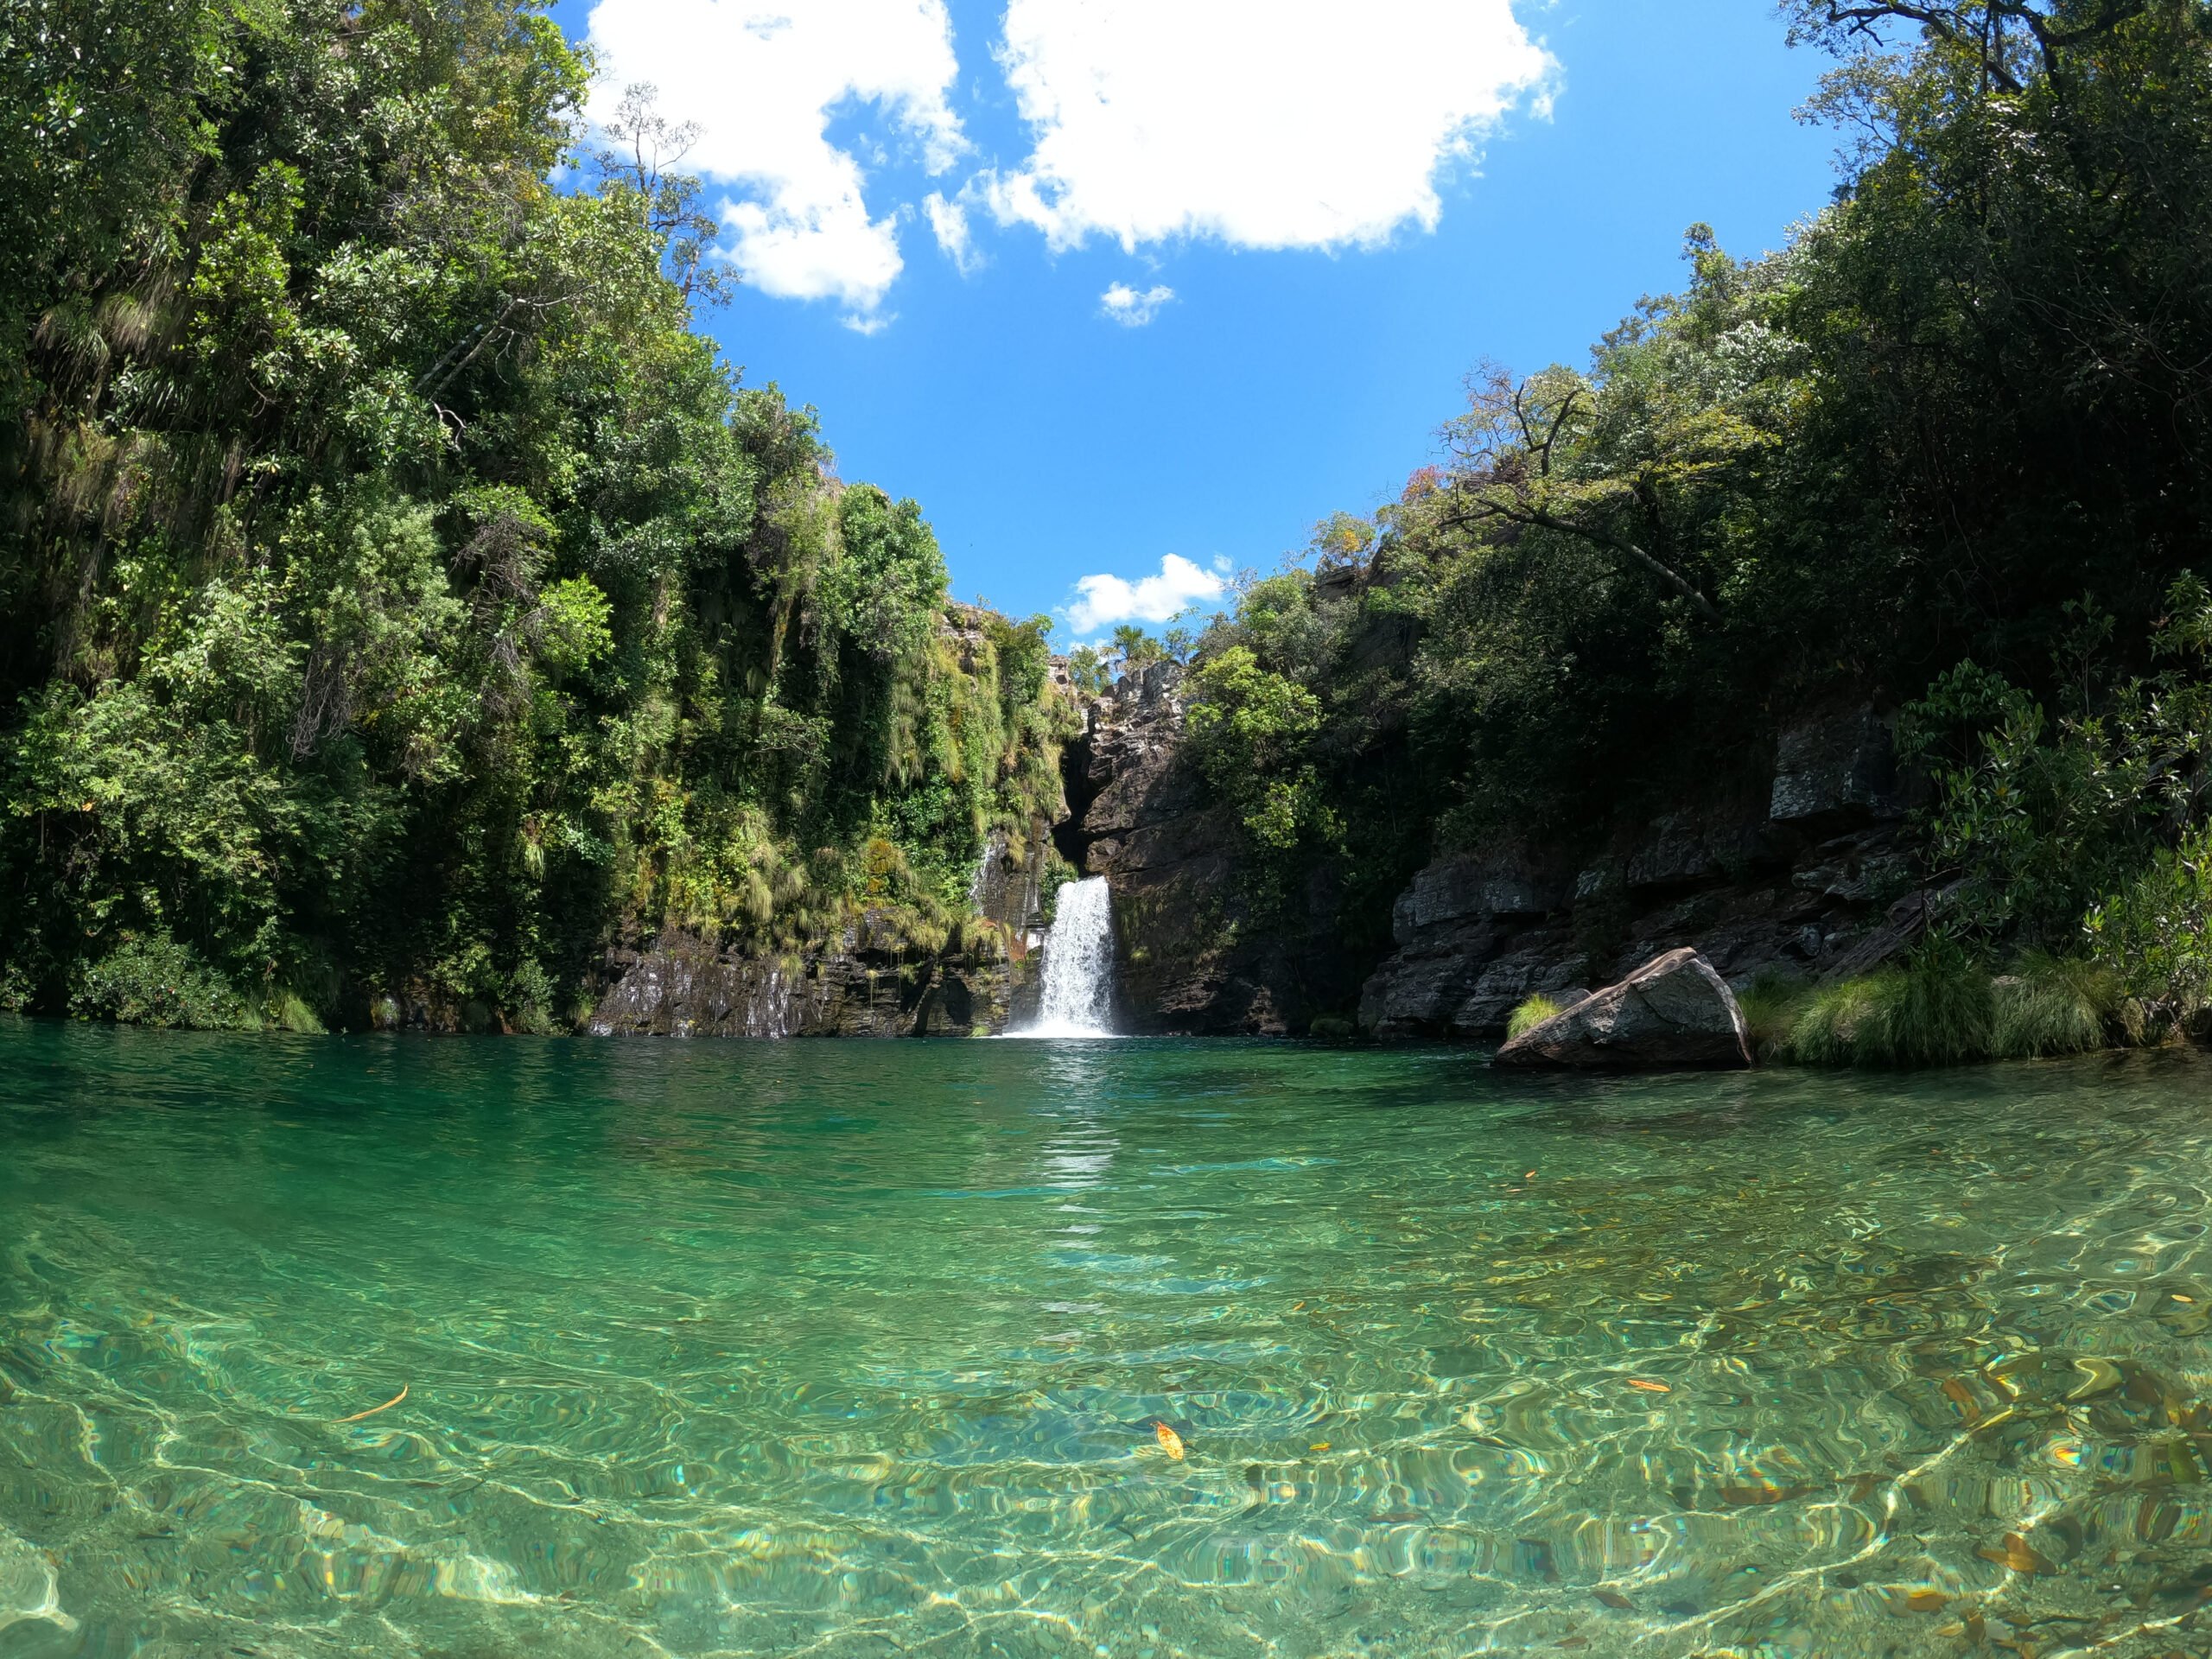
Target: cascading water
{"points": [[1076, 996]]}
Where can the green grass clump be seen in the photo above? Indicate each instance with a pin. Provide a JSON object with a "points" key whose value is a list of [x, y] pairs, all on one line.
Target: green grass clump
{"points": [[288, 1011], [2052, 1006], [1940, 1008], [1772, 1004], [1829, 1024], [1531, 1014]]}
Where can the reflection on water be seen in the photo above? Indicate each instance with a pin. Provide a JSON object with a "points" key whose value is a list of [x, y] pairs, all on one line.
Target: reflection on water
{"points": [[862, 1349]]}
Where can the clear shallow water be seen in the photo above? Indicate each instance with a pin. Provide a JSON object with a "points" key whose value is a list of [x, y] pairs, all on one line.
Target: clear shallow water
{"points": [[858, 1349]]}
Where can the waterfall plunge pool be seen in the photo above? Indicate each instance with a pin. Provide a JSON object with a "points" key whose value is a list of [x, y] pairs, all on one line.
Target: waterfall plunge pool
{"points": [[860, 1349]]}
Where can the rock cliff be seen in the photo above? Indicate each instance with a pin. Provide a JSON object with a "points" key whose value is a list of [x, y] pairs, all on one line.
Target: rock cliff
{"points": [[869, 982], [1805, 872], [1192, 957], [1811, 877], [1808, 873]]}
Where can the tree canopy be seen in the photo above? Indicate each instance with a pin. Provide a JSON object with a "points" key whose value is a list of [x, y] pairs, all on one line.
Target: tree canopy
{"points": [[1962, 412], [397, 597]]}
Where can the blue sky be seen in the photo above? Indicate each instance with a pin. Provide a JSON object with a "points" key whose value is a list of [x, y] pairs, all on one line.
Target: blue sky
{"points": [[1049, 442]]}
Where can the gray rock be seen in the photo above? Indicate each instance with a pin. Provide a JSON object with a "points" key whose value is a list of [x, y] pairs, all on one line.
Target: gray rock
{"points": [[1835, 765], [684, 985], [1607, 875], [1421, 991], [1495, 882], [1672, 1013], [1189, 956], [1898, 931], [1690, 848]]}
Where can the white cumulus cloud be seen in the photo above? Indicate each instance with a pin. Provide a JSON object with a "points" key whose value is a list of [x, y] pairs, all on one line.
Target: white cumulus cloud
{"points": [[1290, 124], [1132, 309], [949, 223], [762, 79], [1104, 601]]}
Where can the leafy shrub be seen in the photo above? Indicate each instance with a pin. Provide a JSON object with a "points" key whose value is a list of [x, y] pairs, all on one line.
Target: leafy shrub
{"points": [[153, 979], [1531, 1014], [1249, 729], [2152, 934]]}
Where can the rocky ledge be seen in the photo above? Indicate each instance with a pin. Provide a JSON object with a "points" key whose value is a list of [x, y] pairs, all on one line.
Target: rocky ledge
{"points": [[867, 982], [684, 985], [1810, 877]]}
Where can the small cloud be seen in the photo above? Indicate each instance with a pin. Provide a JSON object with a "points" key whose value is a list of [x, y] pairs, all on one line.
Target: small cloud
{"points": [[868, 323], [949, 220], [1102, 602], [1132, 309]]}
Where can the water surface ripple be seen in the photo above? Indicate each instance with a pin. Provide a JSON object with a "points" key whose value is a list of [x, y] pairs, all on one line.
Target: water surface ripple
{"points": [[855, 1350]]}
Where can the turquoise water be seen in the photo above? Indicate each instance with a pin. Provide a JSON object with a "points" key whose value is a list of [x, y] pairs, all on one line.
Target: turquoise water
{"points": [[861, 1349]]}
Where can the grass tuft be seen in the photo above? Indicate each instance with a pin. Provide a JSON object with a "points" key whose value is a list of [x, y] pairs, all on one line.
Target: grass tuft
{"points": [[1829, 1023], [1531, 1014], [1940, 1008], [1937, 1010], [2052, 1006], [288, 1011], [1772, 1004]]}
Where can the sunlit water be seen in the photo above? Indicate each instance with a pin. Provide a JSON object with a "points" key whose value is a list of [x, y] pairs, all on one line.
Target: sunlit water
{"points": [[861, 1349]]}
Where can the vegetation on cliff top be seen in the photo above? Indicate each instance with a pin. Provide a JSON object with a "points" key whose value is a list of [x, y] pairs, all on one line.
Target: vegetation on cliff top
{"points": [[1950, 448], [396, 597]]}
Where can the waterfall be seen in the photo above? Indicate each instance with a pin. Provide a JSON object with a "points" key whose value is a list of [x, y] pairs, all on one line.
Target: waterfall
{"points": [[1076, 998]]}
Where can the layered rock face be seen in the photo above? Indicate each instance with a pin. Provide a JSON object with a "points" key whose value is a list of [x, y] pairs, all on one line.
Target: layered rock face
{"points": [[683, 987], [1672, 1013], [1189, 958], [870, 984], [1808, 878]]}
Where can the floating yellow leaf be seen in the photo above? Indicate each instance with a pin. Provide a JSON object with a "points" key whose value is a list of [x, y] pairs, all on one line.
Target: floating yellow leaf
{"points": [[1649, 1387], [1170, 1441], [1318, 1445]]}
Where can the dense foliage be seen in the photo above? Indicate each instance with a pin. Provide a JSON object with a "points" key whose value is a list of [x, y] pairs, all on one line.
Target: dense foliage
{"points": [[397, 598], [1951, 446]]}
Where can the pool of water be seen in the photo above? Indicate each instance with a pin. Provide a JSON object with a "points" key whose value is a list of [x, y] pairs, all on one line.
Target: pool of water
{"points": [[858, 1349]]}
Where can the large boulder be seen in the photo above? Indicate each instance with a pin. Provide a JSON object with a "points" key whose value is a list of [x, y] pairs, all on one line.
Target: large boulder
{"points": [[1672, 1013]]}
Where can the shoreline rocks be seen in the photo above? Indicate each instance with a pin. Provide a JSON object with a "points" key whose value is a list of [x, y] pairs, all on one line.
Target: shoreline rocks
{"points": [[1675, 1013]]}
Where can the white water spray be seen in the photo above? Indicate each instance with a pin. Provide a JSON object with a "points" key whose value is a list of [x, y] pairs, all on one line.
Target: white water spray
{"points": [[1076, 996]]}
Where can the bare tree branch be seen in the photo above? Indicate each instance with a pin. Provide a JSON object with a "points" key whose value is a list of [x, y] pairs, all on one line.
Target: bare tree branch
{"points": [[1509, 445], [1976, 28]]}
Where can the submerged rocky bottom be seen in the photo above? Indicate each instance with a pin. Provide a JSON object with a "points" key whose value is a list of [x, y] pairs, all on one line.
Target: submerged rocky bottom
{"points": [[862, 1349]]}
